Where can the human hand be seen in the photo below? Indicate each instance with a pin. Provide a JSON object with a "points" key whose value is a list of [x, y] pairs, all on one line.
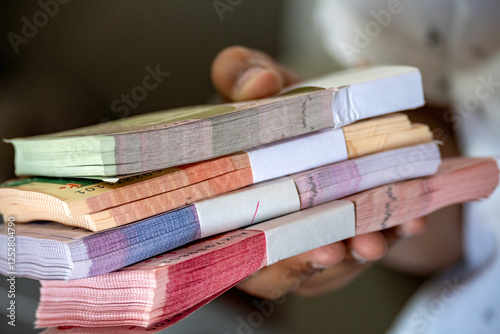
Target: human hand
{"points": [[241, 74]]}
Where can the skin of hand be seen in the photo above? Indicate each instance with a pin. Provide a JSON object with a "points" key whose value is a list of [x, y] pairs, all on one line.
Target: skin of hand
{"points": [[240, 74]]}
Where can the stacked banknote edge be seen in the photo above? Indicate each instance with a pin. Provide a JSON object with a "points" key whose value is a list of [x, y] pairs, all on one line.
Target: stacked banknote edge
{"points": [[63, 252], [192, 134], [153, 237], [170, 286], [99, 206]]}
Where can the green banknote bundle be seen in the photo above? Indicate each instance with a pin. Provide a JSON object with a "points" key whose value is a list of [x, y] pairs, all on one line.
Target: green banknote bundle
{"points": [[185, 135]]}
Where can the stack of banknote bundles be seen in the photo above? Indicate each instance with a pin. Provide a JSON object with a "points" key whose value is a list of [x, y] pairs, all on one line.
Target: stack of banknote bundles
{"points": [[143, 220]]}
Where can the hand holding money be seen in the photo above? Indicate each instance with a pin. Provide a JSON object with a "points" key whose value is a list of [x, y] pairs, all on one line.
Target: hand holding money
{"points": [[240, 74]]}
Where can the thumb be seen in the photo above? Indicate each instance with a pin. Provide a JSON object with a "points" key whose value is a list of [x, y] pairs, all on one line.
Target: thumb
{"points": [[240, 74]]}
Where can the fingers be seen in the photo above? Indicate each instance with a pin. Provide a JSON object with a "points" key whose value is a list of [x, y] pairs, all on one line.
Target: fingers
{"points": [[405, 230], [287, 275], [326, 268], [240, 74], [361, 251], [319, 270], [366, 247], [331, 279]]}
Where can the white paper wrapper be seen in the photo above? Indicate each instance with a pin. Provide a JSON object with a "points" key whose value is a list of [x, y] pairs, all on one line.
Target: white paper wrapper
{"points": [[297, 154], [247, 206], [302, 231]]}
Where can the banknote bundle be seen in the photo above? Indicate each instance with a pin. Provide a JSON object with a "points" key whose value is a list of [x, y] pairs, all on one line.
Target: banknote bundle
{"points": [[176, 137], [65, 253], [98, 206], [161, 291], [150, 217]]}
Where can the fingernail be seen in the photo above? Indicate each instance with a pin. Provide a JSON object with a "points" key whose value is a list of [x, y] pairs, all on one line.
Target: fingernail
{"points": [[412, 228], [357, 256], [403, 232], [318, 267], [246, 79]]}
